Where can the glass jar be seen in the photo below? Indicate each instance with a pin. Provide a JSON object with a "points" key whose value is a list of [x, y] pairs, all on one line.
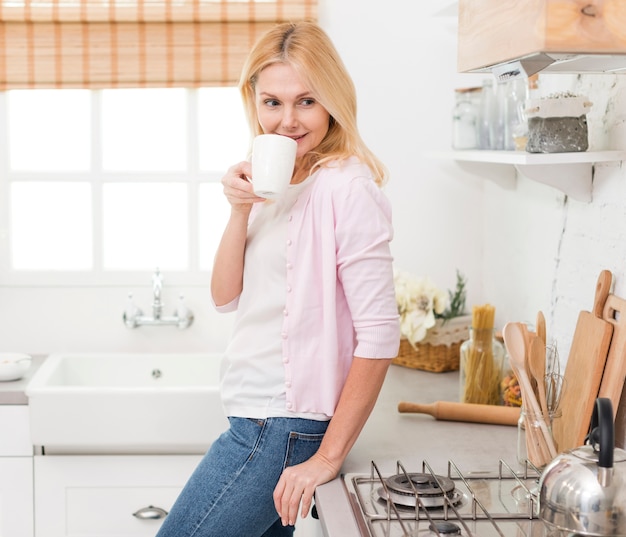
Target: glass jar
{"points": [[491, 115], [481, 361], [510, 390], [465, 119], [528, 429], [515, 120]]}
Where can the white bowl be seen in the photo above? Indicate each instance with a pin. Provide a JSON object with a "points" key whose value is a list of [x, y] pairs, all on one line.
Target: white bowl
{"points": [[13, 365]]}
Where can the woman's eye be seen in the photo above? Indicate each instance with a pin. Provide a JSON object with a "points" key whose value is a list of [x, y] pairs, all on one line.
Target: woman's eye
{"points": [[307, 102], [271, 102]]}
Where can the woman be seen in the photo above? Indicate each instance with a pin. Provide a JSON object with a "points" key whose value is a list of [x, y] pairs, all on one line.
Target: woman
{"points": [[310, 275]]}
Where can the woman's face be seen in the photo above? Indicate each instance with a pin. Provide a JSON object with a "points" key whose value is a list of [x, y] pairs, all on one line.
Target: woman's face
{"points": [[287, 107]]}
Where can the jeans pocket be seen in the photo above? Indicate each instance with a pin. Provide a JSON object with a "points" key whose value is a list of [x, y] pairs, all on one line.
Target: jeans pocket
{"points": [[301, 447]]}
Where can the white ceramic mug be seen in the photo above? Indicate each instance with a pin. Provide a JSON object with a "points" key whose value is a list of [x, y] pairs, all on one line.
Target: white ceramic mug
{"points": [[273, 159]]}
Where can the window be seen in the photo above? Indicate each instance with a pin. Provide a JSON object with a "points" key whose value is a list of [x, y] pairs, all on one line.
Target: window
{"points": [[101, 184]]}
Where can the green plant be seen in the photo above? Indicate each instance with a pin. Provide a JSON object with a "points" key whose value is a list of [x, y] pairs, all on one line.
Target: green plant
{"points": [[456, 306]]}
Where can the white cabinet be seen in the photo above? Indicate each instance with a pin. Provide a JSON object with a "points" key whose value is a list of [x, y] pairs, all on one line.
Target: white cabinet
{"points": [[16, 473], [80, 495], [107, 495]]}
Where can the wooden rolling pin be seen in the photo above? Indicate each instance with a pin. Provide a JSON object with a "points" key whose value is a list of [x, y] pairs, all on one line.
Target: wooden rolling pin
{"points": [[472, 412]]}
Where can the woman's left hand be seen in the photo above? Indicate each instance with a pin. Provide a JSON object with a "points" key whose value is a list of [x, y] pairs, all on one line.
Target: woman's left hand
{"points": [[358, 396], [297, 484]]}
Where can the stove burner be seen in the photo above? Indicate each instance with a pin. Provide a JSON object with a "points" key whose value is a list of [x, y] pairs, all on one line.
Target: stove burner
{"points": [[425, 484], [428, 489], [445, 528]]}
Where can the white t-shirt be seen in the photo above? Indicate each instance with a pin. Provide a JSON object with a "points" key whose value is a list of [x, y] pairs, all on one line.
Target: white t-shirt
{"points": [[253, 383]]}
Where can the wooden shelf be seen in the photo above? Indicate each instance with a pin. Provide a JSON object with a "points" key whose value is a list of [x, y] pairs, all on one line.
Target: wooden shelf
{"points": [[570, 173]]}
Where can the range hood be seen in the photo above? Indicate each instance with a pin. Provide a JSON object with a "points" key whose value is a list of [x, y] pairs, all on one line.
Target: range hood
{"points": [[511, 38], [558, 63]]}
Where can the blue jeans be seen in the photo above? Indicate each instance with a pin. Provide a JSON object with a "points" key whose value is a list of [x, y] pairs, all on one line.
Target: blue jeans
{"points": [[230, 492]]}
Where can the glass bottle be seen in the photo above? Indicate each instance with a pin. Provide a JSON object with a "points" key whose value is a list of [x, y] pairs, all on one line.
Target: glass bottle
{"points": [[481, 361], [515, 120], [465, 119], [488, 116]]}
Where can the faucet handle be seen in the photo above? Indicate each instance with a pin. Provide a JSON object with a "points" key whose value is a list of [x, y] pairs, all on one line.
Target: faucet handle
{"points": [[131, 313], [131, 307], [183, 313], [157, 283]]}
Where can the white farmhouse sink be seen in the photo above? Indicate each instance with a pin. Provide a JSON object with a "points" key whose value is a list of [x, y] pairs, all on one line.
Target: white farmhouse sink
{"points": [[126, 403]]}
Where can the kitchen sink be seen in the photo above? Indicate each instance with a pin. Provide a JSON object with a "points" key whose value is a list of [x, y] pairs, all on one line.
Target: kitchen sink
{"points": [[126, 403]]}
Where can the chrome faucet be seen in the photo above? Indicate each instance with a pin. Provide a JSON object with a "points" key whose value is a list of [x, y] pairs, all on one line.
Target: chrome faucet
{"points": [[157, 286], [134, 317]]}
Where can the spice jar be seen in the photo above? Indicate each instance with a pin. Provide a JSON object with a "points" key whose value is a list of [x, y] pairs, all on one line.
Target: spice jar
{"points": [[465, 118], [481, 360]]}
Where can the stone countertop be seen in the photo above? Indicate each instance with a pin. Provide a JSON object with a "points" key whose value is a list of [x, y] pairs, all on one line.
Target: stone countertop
{"points": [[12, 391], [390, 436]]}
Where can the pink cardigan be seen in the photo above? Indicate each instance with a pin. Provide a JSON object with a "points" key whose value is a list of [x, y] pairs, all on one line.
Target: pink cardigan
{"points": [[340, 299]]}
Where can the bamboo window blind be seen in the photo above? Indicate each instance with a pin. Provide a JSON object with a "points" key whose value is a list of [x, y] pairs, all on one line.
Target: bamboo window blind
{"points": [[134, 43]]}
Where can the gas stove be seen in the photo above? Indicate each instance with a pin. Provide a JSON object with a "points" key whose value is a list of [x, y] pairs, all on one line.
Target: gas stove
{"points": [[424, 503]]}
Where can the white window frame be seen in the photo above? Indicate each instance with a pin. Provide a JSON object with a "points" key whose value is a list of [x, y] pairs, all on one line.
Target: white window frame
{"points": [[98, 277]]}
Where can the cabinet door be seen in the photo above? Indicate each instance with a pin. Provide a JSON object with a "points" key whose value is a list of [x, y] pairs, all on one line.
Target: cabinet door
{"points": [[16, 497], [15, 427], [98, 495]]}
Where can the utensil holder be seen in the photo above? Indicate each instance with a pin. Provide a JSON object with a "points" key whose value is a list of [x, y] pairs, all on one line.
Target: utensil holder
{"points": [[530, 433]]}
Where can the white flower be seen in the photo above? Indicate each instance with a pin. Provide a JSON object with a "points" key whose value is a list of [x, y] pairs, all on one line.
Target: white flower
{"points": [[418, 301]]}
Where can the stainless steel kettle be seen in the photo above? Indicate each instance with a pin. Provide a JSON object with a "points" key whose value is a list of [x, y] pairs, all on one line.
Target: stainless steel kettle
{"points": [[583, 491]]}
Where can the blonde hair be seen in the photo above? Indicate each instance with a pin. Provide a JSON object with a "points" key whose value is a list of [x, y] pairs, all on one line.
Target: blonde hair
{"points": [[307, 48]]}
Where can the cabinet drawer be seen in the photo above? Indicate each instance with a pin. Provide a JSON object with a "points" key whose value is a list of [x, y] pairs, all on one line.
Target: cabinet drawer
{"points": [[15, 437], [84, 495], [110, 509]]}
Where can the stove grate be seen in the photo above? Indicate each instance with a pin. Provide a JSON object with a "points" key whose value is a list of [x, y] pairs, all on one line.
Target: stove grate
{"points": [[478, 499]]}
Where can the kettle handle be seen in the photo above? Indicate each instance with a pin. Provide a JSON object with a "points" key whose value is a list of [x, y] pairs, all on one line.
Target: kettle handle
{"points": [[602, 431]]}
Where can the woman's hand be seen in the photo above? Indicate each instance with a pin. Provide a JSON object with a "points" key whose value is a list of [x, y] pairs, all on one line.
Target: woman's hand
{"points": [[237, 189], [298, 483], [358, 396]]}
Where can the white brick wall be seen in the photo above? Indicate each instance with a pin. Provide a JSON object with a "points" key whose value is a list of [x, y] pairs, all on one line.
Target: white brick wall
{"points": [[563, 243]]}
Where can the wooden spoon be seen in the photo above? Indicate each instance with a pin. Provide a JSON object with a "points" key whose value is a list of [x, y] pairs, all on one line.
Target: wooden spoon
{"points": [[537, 363], [541, 327], [515, 336], [541, 356], [527, 335], [514, 341]]}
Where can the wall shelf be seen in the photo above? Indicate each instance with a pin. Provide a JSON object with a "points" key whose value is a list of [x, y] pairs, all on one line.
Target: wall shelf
{"points": [[570, 173]]}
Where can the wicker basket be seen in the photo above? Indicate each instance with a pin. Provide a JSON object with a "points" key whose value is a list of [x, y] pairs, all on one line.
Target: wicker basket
{"points": [[440, 350]]}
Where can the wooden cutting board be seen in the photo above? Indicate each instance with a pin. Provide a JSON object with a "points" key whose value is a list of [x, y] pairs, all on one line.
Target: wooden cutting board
{"points": [[584, 369], [614, 312]]}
